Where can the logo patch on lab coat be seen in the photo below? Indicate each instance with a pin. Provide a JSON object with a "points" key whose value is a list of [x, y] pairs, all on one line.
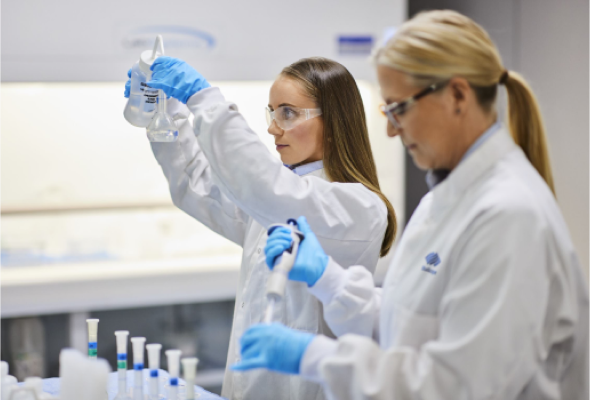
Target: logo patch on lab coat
{"points": [[432, 261]]}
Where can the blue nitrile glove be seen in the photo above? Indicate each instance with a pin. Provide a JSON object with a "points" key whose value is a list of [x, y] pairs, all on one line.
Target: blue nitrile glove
{"points": [[311, 259], [274, 347], [176, 78], [128, 84]]}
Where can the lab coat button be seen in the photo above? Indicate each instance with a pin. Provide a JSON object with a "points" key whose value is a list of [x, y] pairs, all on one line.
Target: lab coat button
{"points": [[259, 250], [243, 304]]}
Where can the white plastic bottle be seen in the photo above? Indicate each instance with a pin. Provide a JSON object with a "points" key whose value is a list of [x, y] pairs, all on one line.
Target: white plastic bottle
{"points": [[141, 105]]}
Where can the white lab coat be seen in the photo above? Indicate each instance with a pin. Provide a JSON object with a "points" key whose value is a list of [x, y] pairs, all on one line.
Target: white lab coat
{"points": [[504, 315], [227, 179]]}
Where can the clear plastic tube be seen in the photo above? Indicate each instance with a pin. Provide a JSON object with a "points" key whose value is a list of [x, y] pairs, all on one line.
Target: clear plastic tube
{"points": [[3, 375], [189, 367], [92, 337], [173, 372], [122, 364], [153, 350], [138, 350]]}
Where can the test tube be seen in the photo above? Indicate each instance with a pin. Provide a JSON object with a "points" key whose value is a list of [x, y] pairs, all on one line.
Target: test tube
{"points": [[138, 349], [189, 368], [122, 364], [153, 350], [173, 357], [92, 337]]}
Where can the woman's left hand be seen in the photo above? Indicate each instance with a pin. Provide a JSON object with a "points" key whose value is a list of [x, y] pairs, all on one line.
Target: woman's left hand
{"points": [[176, 78]]}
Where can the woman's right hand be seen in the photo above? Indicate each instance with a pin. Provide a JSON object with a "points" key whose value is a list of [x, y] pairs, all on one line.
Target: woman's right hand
{"points": [[311, 259]]}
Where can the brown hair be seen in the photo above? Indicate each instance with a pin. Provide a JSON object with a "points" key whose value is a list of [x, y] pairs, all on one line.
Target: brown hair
{"points": [[347, 151], [436, 45]]}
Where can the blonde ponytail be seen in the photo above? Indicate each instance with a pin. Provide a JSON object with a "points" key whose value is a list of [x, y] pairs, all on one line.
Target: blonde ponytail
{"points": [[526, 125], [435, 46]]}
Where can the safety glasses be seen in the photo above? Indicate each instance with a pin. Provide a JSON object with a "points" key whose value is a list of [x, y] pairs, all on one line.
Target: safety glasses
{"points": [[288, 117], [394, 110]]}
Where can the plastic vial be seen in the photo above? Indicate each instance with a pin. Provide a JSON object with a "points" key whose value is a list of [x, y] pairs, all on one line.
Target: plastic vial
{"points": [[138, 350], [3, 375], [92, 338], [189, 368], [153, 350], [122, 364], [173, 372], [141, 105]]}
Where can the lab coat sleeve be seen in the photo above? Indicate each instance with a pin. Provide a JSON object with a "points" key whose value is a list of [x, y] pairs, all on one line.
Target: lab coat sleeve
{"points": [[497, 322], [191, 181], [259, 184], [350, 299]]}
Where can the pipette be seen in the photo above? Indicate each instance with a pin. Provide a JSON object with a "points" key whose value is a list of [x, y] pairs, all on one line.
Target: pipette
{"points": [[92, 337], [122, 364], [173, 357], [277, 281], [189, 367], [138, 349], [153, 350]]}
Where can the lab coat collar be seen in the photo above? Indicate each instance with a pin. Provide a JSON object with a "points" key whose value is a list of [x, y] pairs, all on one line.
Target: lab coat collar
{"points": [[470, 170], [307, 168]]}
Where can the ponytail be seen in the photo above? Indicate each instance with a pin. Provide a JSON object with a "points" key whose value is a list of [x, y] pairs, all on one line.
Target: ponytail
{"points": [[526, 125]]}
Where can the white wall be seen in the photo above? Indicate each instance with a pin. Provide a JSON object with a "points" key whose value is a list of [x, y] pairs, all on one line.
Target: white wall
{"points": [[70, 40], [553, 37]]}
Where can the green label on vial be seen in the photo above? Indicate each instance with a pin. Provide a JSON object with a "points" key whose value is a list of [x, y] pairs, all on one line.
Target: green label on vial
{"points": [[92, 352], [122, 364]]}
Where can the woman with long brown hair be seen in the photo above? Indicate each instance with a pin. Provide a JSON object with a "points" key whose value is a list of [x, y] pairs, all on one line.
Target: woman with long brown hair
{"points": [[485, 298], [221, 173]]}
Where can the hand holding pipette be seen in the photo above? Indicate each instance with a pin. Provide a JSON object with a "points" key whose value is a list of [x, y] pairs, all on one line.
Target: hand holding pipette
{"points": [[277, 281]]}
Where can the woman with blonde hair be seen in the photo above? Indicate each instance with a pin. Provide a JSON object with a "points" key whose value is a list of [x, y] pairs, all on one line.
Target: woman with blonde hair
{"points": [[221, 174], [485, 298]]}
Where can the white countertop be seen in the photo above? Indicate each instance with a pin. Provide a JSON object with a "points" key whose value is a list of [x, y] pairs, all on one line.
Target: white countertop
{"points": [[67, 288]]}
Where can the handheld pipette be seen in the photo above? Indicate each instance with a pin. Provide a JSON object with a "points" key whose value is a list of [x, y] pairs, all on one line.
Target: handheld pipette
{"points": [[153, 350], [173, 357], [122, 364], [92, 337], [277, 281], [138, 349], [189, 367]]}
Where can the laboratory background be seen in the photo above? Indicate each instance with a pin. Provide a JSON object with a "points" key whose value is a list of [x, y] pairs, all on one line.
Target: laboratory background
{"points": [[88, 229]]}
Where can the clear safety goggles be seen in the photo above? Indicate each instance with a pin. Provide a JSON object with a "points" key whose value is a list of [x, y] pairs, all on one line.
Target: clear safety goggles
{"points": [[393, 111], [288, 117]]}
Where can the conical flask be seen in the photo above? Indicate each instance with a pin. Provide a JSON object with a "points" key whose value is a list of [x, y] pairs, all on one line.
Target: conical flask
{"points": [[162, 128]]}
